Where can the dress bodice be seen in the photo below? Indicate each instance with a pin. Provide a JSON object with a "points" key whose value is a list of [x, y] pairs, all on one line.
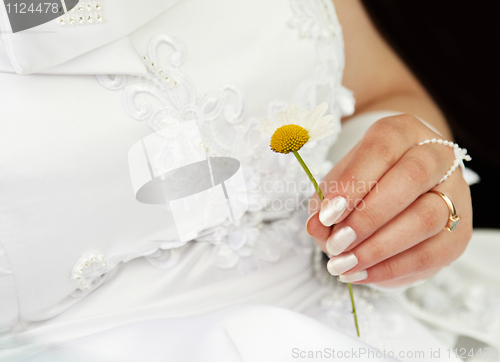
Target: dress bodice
{"points": [[70, 217], [79, 254]]}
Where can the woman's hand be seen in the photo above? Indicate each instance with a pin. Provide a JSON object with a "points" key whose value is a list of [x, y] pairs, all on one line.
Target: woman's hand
{"points": [[388, 229]]}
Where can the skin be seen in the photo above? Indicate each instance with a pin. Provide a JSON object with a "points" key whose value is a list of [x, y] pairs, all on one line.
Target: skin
{"points": [[399, 225]]}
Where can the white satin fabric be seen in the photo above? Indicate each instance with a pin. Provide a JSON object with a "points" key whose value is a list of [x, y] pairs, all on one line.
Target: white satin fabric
{"points": [[241, 333], [50, 44], [66, 193], [118, 57]]}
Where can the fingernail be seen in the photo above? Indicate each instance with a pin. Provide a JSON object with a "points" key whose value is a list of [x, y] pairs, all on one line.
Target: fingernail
{"points": [[307, 222], [340, 240], [356, 277], [340, 264], [332, 210]]}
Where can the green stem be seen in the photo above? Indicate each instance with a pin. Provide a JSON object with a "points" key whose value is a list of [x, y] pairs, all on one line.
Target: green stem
{"points": [[311, 177], [321, 197], [353, 308]]}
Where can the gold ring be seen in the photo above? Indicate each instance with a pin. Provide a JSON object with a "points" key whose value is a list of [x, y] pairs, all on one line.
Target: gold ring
{"points": [[454, 219]]}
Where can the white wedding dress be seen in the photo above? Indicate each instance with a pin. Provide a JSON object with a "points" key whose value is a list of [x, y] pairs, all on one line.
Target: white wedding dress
{"points": [[88, 273]]}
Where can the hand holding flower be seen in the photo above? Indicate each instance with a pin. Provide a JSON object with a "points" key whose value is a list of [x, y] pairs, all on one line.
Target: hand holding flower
{"points": [[386, 228]]}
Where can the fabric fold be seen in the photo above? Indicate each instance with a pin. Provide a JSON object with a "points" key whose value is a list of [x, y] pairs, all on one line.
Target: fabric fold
{"points": [[245, 333], [118, 57], [48, 45], [9, 305]]}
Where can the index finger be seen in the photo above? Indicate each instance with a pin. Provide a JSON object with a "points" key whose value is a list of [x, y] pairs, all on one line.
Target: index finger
{"points": [[314, 227], [380, 149]]}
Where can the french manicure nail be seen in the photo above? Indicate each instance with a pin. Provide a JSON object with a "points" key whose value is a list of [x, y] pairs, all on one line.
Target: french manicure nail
{"points": [[332, 210], [356, 277], [307, 222], [340, 264], [340, 240]]}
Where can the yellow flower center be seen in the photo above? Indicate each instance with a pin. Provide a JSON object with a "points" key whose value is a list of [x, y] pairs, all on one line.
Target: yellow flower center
{"points": [[289, 138]]}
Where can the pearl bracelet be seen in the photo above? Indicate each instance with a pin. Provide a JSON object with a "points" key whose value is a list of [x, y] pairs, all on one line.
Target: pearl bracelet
{"points": [[460, 154]]}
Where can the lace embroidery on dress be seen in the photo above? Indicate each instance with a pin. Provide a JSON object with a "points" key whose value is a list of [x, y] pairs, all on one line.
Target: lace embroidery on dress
{"points": [[172, 98], [455, 299], [380, 325], [251, 241], [167, 96]]}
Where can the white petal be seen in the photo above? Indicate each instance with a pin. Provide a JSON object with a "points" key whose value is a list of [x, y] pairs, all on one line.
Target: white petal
{"points": [[322, 128], [304, 119], [316, 114], [292, 114], [304, 113], [267, 126], [323, 121], [281, 119], [321, 125], [320, 135]]}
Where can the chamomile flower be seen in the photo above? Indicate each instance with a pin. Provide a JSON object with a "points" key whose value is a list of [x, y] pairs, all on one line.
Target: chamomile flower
{"points": [[293, 127]]}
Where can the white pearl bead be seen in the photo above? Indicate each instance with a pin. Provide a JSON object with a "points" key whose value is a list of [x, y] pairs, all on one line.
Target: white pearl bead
{"points": [[440, 141], [433, 140]]}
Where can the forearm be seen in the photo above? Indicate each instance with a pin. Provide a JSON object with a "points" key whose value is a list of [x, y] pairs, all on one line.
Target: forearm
{"points": [[378, 77]]}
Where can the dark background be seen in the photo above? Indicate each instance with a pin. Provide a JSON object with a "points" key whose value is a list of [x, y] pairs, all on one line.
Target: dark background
{"points": [[453, 48]]}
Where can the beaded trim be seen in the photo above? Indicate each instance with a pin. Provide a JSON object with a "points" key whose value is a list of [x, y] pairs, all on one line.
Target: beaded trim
{"points": [[162, 75], [460, 154], [87, 269], [85, 12]]}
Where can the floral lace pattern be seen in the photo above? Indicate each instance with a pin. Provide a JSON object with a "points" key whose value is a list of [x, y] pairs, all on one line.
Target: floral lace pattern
{"points": [[452, 298], [225, 131], [378, 328], [379, 322], [252, 241], [173, 98]]}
